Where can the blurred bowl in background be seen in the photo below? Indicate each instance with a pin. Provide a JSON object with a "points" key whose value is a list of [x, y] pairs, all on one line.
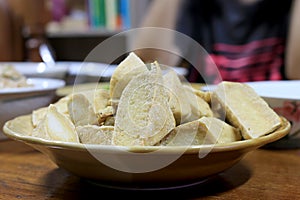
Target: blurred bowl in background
{"points": [[75, 71], [23, 100], [86, 72]]}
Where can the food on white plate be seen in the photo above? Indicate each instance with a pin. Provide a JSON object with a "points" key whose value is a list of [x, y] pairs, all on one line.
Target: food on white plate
{"points": [[155, 109], [12, 78]]}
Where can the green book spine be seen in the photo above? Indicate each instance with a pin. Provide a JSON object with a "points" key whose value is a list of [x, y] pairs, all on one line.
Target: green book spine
{"points": [[102, 13]]}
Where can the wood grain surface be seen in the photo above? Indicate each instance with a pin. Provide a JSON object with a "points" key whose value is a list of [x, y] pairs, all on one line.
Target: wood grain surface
{"points": [[25, 173]]}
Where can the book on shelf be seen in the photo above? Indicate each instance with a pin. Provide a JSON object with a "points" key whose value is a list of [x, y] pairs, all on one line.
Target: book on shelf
{"points": [[111, 7], [109, 14], [125, 13]]}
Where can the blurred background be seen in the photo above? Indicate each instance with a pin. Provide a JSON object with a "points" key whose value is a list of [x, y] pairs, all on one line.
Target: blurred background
{"points": [[245, 40], [69, 28]]}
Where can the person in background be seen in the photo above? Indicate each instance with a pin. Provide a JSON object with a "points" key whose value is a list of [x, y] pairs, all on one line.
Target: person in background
{"points": [[248, 40]]}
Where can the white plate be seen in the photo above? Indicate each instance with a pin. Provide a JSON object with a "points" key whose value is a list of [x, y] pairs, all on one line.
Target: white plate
{"points": [[71, 70], [277, 89], [286, 89], [40, 86], [20, 101], [39, 69]]}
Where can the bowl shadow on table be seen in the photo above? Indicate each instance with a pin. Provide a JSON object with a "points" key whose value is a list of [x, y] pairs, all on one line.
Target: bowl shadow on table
{"points": [[283, 144], [73, 187]]}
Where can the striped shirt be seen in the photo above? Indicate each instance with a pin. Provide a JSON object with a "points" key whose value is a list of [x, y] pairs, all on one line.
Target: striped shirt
{"points": [[243, 42]]}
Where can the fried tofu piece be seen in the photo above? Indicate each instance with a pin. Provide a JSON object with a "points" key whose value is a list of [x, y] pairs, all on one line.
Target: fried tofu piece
{"points": [[179, 104], [81, 110], [188, 105], [220, 131], [56, 126], [131, 66], [39, 129], [92, 134], [62, 104], [144, 116], [199, 107], [245, 109], [101, 100], [39, 114], [202, 94], [206, 130]]}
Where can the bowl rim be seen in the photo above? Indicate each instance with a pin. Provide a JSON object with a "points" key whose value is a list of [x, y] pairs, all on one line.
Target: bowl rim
{"points": [[282, 131], [39, 85], [37, 68]]}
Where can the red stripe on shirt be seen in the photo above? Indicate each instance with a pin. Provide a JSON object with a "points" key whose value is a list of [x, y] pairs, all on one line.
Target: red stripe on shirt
{"points": [[248, 47], [223, 61], [247, 62]]}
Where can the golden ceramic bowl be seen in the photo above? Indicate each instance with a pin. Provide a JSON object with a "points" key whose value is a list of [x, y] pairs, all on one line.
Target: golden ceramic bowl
{"points": [[140, 167]]}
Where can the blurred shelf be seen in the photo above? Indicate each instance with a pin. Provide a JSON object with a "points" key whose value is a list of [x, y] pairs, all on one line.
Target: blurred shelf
{"points": [[74, 40], [82, 33], [77, 45]]}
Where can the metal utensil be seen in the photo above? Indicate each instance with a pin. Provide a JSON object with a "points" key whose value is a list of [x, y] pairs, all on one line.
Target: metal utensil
{"points": [[47, 55]]}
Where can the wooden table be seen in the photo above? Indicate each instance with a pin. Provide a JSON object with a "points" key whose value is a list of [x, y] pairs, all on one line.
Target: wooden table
{"points": [[262, 174]]}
